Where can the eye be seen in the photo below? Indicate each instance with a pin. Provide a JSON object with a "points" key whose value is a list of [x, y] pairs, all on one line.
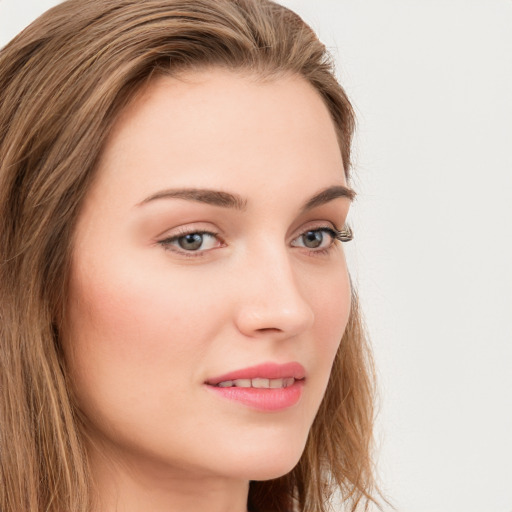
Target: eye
{"points": [[195, 241], [315, 239], [322, 238]]}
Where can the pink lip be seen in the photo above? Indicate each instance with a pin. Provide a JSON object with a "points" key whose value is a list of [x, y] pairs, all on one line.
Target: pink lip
{"points": [[263, 371], [263, 399]]}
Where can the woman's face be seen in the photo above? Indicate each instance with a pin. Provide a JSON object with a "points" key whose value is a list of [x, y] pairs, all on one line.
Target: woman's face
{"points": [[204, 263]]}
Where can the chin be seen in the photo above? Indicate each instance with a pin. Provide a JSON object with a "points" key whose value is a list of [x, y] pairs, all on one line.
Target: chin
{"points": [[267, 459], [275, 470]]}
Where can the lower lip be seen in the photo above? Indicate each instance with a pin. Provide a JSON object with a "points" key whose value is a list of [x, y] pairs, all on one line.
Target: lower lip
{"points": [[263, 399]]}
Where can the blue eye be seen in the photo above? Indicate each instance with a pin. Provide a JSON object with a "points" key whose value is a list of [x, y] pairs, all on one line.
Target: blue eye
{"points": [[315, 239], [191, 242], [322, 238], [197, 241]]}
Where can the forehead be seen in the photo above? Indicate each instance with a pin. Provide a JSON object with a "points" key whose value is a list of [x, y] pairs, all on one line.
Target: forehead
{"points": [[218, 128]]}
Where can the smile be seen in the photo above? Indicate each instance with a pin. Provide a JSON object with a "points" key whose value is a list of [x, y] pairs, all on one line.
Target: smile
{"points": [[258, 383], [266, 375], [268, 387]]}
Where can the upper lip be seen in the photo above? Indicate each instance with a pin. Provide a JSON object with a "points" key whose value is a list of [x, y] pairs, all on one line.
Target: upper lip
{"points": [[263, 371]]}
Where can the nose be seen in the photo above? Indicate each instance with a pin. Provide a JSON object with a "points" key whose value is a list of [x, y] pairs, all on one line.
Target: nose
{"points": [[271, 300]]}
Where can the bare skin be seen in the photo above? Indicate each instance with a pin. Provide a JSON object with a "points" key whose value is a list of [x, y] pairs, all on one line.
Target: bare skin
{"points": [[170, 287]]}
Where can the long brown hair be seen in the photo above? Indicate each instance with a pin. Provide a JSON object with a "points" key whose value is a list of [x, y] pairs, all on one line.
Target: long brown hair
{"points": [[63, 82]]}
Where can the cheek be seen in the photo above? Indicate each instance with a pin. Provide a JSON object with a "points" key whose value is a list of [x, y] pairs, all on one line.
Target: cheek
{"points": [[138, 341], [331, 301], [135, 312], [331, 304], [136, 335]]}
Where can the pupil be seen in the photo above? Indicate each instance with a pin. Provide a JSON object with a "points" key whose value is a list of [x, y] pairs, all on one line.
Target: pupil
{"points": [[191, 242], [313, 239]]}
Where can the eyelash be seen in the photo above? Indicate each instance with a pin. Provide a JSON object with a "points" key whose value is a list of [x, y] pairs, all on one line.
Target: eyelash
{"points": [[167, 243], [344, 235]]}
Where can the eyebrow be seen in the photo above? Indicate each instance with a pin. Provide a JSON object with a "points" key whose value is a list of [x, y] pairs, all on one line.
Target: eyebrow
{"points": [[327, 195], [213, 197], [237, 202]]}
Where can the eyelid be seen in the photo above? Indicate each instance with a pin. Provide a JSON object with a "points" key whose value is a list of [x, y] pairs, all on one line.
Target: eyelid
{"points": [[328, 230], [343, 235], [167, 241]]}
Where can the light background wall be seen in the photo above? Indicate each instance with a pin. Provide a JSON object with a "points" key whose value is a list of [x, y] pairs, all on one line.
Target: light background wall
{"points": [[431, 82]]}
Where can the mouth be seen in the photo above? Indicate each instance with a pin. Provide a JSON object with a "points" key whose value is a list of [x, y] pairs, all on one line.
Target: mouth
{"points": [[266, 375], [258, 383], [266, 387]]}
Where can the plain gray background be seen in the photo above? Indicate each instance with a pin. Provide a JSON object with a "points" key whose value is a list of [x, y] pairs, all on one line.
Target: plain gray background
{"points": [[431, 82]]}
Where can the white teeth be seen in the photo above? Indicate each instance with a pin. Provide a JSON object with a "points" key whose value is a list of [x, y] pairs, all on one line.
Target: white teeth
{"points": [[242, 383], [259, 383], [275, 383]]}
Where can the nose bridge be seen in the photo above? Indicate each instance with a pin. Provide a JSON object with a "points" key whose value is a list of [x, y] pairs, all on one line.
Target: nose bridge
{"points": [[272, 297]]}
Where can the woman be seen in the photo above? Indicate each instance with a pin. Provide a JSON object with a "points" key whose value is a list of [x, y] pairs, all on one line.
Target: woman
{"points": [[174, 189]]}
